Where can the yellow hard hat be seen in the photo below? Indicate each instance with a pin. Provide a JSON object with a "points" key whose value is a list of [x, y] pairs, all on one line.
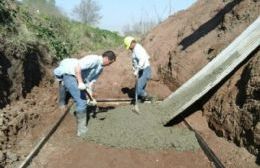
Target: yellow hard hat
{"points": [[128, 40]]}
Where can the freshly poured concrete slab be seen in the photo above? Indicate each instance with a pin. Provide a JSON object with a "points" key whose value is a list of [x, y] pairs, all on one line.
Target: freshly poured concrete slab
{"points": [[212, 73]]}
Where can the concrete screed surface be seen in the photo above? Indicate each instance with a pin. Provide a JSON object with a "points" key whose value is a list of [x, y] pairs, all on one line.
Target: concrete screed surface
{"points": [[123, 128]]}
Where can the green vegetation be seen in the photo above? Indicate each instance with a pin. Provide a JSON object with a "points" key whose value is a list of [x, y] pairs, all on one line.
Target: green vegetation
{"points": [[22, 26]]}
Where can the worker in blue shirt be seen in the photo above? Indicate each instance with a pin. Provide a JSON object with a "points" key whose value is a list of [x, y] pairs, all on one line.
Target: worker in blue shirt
{"points": [[78, 75]]}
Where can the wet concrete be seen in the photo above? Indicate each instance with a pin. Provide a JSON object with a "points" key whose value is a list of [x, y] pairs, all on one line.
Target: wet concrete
{"points": [[123, 128]]}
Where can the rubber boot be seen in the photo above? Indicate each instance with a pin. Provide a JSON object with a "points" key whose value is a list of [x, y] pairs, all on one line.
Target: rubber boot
{"points": [[73, 110], [62, 95], [81, 124]]}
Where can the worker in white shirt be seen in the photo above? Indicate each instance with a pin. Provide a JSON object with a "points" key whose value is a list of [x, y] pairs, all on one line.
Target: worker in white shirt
{"points": [[77, 75], [141, 66]]}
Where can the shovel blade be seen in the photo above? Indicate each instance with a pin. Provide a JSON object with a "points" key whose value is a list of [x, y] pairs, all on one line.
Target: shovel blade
{"points": [[136, 110]]}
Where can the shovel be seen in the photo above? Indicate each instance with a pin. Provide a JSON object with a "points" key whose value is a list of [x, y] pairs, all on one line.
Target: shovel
{"points": [[93, 106], [136, 108], [90, 96]]}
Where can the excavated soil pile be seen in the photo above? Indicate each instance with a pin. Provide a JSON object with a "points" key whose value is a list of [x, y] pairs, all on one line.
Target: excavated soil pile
{"points": [[188, 40], [123, 128]]}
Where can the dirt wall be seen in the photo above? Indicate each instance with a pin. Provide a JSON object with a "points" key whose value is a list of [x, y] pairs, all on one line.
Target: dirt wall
{"points": [[234, 110], [187, 41], [21, 69]]}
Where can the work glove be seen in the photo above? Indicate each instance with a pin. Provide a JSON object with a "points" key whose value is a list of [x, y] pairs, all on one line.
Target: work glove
{"points": [[58, 79], [81, 86], [92, 102], [136, 72]]}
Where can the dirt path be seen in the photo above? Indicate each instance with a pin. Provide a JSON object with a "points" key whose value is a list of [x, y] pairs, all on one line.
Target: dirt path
{"points": [[66, 151], [229, 154]]}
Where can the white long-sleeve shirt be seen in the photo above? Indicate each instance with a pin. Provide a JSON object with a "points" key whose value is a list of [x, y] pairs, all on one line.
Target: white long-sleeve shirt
{"points": [[140, 57], [91, 67]]}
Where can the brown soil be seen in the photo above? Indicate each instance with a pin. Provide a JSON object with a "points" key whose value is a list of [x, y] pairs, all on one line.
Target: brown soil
{"points": [[229, 154], [233, 111], [189, 40]]}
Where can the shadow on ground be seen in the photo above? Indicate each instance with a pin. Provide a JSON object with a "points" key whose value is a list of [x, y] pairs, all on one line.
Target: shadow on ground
{"points": [[130, 92], [93, 111], [258, 159], [210, 25]]}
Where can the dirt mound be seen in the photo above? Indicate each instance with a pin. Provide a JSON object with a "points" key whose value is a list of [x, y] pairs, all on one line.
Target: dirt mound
{"points": [[187, 41]]}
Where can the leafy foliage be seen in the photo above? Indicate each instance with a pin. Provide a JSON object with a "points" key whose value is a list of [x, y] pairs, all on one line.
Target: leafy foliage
{"points": [[61, 36], [7, 13], [43, 6]]}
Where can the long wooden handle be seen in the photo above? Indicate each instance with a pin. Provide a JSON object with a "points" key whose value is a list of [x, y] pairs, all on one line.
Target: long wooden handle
{"points": [[89, 95]]}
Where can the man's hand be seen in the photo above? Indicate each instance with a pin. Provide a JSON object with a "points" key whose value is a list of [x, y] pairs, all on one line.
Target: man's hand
{"points": [[81, 86], [92, 102], [136, 72]]}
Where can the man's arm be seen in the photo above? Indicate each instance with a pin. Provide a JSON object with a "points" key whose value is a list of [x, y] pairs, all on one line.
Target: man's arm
{"points": [[81, 85], [141, 56]]}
